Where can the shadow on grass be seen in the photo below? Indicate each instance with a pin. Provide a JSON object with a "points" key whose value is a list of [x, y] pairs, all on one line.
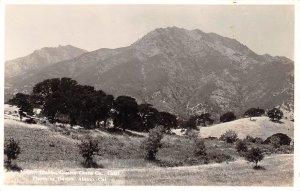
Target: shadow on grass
{"points": [[275, 121], [91, 165], [259, 168], [13, 167]]}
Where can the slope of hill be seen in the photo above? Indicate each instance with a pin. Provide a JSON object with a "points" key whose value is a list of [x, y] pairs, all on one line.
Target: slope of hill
{"points": [[259, 127], [24, 67], [181, 71]]}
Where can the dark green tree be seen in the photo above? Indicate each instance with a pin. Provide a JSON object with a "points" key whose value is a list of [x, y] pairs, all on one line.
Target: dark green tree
{"points": [[226, 117], [254, 112], [126, 114], [149, 116], [254, 155], [167, 120], [275, 114]]}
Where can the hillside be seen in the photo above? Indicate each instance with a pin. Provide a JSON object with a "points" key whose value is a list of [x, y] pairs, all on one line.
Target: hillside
{"points": [[181, 71], [260, 127], [50, 155], [18, 69]]}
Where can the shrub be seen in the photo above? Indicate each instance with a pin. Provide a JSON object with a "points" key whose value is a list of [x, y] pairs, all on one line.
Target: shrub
{"points": [[153, 142], [200, 148], [284, 139], [229, 136], [254, 155], [226, 117], [254, 112], [275, 114], [88, 149], [241, 146], [191, 134], [12, 151], [219, 157], [251, 139], [275, 142]]}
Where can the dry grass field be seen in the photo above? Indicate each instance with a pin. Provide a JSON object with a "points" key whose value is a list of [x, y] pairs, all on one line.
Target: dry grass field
{"points": [[258, 127], [278, 172]]}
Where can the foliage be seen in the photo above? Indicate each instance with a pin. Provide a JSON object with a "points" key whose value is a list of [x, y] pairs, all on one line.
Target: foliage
{"points": [[199, 148], [241, 146], [281, 138], [88, 149], [167, 120], [149, 116], [254, 155], [254, 112], [23, 102], [229, 136], [153, 142], [253, 139], [126, 112], [275, 142], [226, 117], [275, 114], [11, 150]]}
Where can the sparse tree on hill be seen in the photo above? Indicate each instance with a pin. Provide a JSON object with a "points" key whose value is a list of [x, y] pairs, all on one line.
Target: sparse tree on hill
{"points": [[152, 144], [88, 149], [254, 155], [254, 112], [226, 117], [205, 119], [12, 151], [275, 114]]}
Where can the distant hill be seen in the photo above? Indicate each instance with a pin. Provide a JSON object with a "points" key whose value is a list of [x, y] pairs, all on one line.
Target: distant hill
{"points": [[180, 71], [260, 127], [24, 67]]}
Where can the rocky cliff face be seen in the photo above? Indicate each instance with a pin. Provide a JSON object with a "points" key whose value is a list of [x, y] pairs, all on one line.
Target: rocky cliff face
{"points": [[181, 71]]}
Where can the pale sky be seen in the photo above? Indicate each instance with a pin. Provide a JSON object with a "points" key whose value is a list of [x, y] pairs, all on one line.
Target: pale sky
{"points": [[263, 28]]}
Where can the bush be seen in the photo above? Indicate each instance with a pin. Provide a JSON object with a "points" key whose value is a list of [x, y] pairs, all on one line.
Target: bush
{"points": [[254, 155], [12, 151], [275, 142], [283, 139], [200, 148], [229, 136], [153, 142], [218, 157], [226, 117], [251, 139], [88, 149], [241, 146]]}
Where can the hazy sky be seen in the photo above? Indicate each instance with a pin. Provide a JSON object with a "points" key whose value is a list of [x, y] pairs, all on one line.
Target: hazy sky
{"points": [[263, 28]]}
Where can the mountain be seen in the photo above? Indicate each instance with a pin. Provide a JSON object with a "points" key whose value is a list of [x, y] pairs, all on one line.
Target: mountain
{"points": [[181, 71], [22, 67]]}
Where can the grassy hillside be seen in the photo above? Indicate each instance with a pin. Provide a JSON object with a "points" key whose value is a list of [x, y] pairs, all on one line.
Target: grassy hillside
{"points": [[259, 127], [278, 172], [49, 149]]}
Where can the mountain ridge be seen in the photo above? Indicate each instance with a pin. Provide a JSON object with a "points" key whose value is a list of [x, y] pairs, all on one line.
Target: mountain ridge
{"points": [[180, 71]]}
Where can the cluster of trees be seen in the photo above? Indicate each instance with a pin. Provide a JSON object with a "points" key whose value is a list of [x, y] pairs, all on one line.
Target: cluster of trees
{"points": [[64, 100], [274, 114]]}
